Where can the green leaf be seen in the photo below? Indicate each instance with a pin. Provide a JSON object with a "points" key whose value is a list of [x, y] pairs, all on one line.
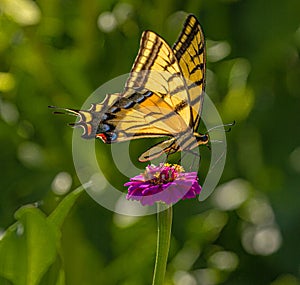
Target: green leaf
{"points": [[55, 275], [28, 247], [61, 278], [58, 216]]}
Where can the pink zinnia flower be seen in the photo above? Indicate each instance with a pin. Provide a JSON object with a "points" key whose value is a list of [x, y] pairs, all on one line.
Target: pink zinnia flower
{"points": [[166, 183]]}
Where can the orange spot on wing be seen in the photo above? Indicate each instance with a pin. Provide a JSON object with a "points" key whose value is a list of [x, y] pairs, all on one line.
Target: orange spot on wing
{"points": [[89, 129]]}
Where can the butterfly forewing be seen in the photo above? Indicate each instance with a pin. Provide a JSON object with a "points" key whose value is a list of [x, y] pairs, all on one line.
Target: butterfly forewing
{"points": [[154, 54], [189, 50], [156, 69]]}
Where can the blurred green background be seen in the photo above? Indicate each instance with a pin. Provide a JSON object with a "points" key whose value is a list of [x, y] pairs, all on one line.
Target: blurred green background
{"points": [[58, 52]]}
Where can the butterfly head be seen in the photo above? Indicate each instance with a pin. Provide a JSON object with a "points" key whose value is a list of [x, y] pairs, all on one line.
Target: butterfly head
{"points": [[202, 139]]}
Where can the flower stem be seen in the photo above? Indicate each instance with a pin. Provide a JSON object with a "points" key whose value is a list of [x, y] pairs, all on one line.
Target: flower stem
{"points": [[164, 221]]}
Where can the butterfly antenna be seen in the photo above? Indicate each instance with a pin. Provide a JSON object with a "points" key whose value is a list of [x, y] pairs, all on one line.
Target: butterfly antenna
{"points": [[222, 126]]}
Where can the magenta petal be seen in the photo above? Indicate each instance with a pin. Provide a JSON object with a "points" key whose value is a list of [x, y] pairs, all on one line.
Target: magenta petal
{"points": [[166, 183]]}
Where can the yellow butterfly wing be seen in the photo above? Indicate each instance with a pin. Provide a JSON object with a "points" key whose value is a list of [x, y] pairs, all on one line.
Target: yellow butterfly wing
{"points": [[189, 50]]}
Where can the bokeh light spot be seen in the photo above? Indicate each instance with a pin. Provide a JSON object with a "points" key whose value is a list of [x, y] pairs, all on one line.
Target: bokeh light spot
{"points": [[224, 260], [238, 103], [184, 278], [186, 257], [62, 183], [23, 12], [217, 50], [9, 112], [107, 22], [267, 240], [122, 12], [261, 240], [30, 154], [207, 276], [99, 183], [231, 195], [239, 73], [286, 279], [7, 81], [257, 211], [124, 221]]}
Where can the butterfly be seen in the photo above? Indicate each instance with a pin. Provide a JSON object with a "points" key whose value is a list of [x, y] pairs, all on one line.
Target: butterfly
{"points": [[163, 96]]}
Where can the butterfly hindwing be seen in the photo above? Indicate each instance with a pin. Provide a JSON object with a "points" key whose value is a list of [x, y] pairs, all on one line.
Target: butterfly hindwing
{"points": [[153, 117], [90, 119]]}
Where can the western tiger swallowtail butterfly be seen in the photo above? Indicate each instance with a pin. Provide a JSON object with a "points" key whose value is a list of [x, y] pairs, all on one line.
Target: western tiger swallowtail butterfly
{"points": [[163, 96]]}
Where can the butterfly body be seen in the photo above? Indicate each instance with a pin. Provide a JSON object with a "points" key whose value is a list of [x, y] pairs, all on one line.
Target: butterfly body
{"points": [[181, 142], [163, 96]]}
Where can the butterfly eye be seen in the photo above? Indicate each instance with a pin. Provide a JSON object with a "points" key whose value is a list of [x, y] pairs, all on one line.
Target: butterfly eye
{"points": [[205, 138], [201, 137]]}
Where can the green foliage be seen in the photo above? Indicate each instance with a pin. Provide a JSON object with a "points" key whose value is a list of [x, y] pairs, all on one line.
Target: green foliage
{"points": [[58, 53], [30, 246]]}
